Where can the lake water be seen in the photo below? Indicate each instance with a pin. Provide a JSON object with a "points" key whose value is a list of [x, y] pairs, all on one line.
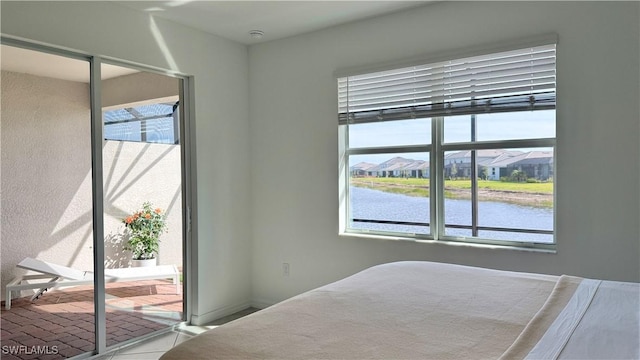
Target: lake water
{"points": [[379, 205]]}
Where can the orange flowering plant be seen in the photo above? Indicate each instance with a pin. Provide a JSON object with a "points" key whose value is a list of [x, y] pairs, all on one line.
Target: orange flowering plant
{"points": [[145, 227]]}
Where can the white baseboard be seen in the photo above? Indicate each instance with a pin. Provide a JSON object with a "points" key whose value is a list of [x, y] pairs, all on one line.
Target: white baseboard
{"points": [[262, 303], [218, 313]]}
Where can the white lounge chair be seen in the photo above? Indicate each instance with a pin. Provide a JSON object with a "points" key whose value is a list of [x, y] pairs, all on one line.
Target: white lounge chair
{"points": [[58, 276]]}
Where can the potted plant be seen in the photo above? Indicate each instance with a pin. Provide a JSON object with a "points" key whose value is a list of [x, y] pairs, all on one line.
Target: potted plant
{"points": [[144, 227]]}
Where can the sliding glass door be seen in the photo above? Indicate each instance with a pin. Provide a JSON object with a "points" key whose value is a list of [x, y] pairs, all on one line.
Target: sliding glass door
{"points": [[47, 232], [143, 209], [92, 173]]}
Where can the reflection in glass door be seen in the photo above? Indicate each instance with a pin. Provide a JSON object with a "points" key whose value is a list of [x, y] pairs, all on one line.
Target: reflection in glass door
{"points": [[142, 175]]}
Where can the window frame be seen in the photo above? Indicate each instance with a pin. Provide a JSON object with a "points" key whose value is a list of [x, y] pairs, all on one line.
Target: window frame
{"points": [[489, 145], [437, 149], [382, 150]]}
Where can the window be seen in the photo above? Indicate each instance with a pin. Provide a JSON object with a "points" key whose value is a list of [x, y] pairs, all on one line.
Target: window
{"points": [[152, 123], [455, 150]]}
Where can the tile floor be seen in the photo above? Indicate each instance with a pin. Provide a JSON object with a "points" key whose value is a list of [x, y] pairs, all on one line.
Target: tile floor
{"points": [[153, 348], [64, 318]]}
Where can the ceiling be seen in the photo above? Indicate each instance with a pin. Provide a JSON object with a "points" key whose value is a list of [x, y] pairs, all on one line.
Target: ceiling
{"points": [[229, 19], [277, 19], [53, 66]]}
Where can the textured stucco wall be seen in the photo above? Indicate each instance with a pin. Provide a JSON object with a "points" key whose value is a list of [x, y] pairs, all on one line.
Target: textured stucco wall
{"points": [[138, 87], [135, 173], [46, 182]]}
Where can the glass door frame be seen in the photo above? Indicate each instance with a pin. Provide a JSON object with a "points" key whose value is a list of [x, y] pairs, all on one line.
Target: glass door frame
{"points": [[188, 165]]}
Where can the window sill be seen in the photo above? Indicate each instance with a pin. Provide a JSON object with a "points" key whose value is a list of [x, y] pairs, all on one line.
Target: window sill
{"points": [[449, 242]]}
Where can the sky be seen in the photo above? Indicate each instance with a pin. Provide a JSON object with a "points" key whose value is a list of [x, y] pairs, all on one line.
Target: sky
{"points": [[497, 126]]}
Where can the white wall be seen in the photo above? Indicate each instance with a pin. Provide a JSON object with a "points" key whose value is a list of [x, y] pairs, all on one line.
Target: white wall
{"points": [[220, 70], [294, 140]]}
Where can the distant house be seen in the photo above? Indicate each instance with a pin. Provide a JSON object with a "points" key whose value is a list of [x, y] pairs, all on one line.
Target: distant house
{"points": [[464, 157], [535, 164], [391, 168], [458, 164], [361, 169], [497, 167], [401, 167], [492, 165], [417, 169]]}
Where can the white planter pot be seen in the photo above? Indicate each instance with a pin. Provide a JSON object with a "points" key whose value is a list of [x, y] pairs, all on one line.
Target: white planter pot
{"points": [[143, 263]]}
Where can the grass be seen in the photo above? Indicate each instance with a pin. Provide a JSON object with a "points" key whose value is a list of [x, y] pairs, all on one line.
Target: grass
{"points": [[390, 187], [538, 188], [529, 194], [399, 181]]}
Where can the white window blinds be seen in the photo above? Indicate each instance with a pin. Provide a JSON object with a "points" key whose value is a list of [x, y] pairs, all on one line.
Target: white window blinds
{"points": [[515, 80]]}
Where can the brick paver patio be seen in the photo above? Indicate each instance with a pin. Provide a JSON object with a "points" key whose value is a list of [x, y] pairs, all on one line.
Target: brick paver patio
{"points": [[60, 324]]}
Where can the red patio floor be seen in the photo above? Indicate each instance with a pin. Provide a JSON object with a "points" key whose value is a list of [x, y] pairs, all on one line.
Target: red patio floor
{"points": [[60, 324]]}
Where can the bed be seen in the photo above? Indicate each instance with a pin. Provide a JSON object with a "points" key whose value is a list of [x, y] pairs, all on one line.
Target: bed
{"points": [[426, 310]]}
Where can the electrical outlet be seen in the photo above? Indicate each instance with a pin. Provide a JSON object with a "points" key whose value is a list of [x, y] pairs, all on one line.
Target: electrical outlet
{"points": [[285, 269]]}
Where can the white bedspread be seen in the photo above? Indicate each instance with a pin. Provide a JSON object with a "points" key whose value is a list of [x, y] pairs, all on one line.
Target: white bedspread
{"points": [[601, 321], [425, 310]]}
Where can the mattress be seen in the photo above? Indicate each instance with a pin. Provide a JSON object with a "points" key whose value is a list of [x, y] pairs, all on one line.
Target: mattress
{"points": [[427, 310]]}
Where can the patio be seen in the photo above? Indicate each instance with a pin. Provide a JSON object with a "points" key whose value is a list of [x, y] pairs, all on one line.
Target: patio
{"points": [[60, 324]]}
